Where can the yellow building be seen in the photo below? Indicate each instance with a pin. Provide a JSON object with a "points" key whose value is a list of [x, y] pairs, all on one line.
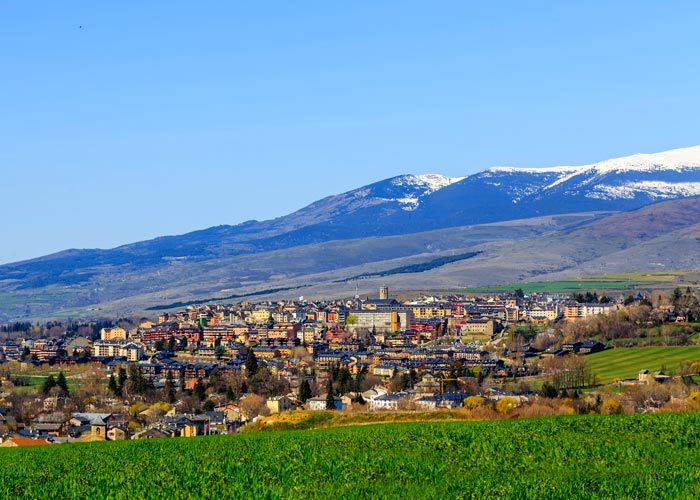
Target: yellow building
{"points": [[115, 333], [425, 312], [486, 327], [260, 316]]}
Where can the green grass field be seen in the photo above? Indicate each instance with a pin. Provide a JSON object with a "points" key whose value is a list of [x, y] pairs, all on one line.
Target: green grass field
{"points": [[621, 282], [628, 456], [626, 362]]}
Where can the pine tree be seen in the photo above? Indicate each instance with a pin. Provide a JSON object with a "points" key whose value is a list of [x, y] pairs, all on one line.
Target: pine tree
{"points": [[62, 383], [304, 391], [48, 384], [330, 400], [112, 386], [169, 389], [251, 363], [199, 390]]}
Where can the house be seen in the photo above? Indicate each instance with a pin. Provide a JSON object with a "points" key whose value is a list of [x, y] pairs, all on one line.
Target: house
{"points": [[319, 403], [428, 385], [384, 370], [386, 401], [279, 404], [14, 441], [590, 347], [646, 377]]}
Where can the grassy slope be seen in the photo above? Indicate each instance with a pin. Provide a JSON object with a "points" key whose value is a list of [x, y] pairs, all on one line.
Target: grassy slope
{"points": [[636, 456], [626, 362]]}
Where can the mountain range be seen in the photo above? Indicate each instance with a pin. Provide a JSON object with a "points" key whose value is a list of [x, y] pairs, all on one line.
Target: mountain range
{"points": [[387, 230]]}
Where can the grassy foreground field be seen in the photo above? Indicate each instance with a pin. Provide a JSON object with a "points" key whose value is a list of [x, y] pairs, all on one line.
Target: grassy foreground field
{"points": [[626, 362], [631, 456]]}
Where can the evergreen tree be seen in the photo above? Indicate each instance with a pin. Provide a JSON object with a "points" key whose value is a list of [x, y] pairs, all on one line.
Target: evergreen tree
{"points": [[48, 384], [330, 400], [199, 390], [171, 344], [136, 382], [112, 385], [343, 380], [169, 389], [251, 363], [62, 383], [304, 391]]}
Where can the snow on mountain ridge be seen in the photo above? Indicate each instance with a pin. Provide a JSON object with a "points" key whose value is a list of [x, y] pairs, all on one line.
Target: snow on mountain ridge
{"points": [[429, 184]]}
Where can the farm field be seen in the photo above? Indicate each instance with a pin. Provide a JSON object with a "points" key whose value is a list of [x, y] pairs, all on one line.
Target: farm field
{"points": [[621, 282], [626, 362], [627, 456]]}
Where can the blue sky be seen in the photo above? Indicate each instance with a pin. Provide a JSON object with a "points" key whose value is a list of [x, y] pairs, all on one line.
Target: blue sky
{"points": [[158, 118]]}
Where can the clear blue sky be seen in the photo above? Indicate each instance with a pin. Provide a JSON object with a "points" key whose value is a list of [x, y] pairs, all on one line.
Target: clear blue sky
{"points": [[158, 118]]}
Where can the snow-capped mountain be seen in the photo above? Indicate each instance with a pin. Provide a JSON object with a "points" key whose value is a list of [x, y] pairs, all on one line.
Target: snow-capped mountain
{"points": [[670, 174], [257, 251], [499, 193]]}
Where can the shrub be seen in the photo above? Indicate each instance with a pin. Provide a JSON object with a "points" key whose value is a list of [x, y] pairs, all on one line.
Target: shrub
{"points": [[506, 405], [611, 406], [473, 402]]}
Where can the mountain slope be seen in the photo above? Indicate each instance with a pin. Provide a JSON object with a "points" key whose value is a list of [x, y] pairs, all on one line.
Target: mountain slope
{"points": [[239, 257]]}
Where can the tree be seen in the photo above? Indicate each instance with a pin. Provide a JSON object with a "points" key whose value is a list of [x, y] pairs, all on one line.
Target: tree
{"points": [[343, 380], [254, 405], [549, 391], [25, 353], [62, 383], [169, 389], [200, 390], [136, 383], [330, 400], [251, 363], [304, 391], [171, 344], [611, 406], [219, 352], [121, 378], [48, 384], [506, 404], [113, 386]]}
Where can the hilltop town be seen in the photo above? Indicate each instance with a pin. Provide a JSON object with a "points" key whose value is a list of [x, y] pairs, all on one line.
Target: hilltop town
{"points": [[212, 369]]}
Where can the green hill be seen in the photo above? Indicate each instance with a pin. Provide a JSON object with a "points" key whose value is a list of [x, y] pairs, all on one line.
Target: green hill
{"points": [[633, 456], [626, 362]]}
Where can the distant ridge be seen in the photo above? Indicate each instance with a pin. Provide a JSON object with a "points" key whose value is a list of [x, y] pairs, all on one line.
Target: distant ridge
{"points": [[247, 257]]}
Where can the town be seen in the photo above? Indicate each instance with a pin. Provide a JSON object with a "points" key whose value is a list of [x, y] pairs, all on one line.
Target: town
{"points": [[213, 369]]}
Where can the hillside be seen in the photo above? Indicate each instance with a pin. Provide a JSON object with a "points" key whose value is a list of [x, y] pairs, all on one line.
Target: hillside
{"points": [[363, 231], [635, 456]]}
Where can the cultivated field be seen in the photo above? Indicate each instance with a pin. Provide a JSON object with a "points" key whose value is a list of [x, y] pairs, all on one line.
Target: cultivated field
{"points": [[626, 362], [620, 282], [630, 456]]}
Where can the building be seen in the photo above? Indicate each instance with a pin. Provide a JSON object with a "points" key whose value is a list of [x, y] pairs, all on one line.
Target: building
{"points": [[383, 292], [485, 327], [391, 320], [279, 404], [115, 333], [113, 348]]}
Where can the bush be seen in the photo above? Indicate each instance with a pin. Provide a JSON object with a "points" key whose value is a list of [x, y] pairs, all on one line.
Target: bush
{"points": [[611, 406], [473, 402], [506, 405]]}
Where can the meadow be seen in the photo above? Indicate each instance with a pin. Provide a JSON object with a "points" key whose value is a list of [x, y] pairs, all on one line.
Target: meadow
{"points": [[621, 282], [622, 456], [626, 362]]}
